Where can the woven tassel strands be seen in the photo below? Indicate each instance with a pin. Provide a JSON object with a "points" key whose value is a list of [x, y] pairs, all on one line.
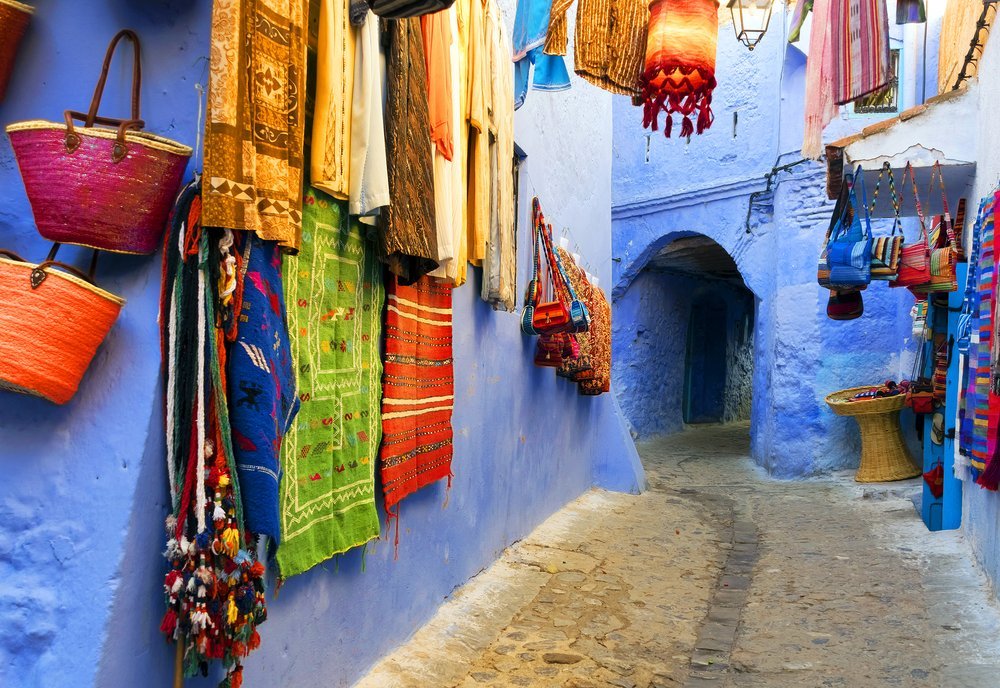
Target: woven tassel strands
{"points": [[214, 590]]}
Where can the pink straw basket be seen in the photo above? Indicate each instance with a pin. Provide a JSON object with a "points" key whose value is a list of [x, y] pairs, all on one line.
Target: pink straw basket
{"points": [[108, 188]]}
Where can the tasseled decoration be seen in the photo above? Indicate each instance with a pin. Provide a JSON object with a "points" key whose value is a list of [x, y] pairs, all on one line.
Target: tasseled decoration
{"points": [[679, 74], [214, 591]]}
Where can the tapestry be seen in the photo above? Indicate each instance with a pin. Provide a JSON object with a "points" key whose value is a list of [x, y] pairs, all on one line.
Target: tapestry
{"points": [[418, 389], [334, 295], [261, 382], [254, 129], [860, 38]]}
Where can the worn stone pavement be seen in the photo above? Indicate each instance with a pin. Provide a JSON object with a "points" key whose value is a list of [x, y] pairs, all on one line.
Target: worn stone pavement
{"points": [[717, 576]]}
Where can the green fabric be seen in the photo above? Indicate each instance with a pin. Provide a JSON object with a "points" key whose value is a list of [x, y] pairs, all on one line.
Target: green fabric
{"points": [[334, 294]]}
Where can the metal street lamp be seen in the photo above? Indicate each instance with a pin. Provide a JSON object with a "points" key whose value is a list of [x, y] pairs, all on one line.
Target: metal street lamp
{"points": [[750, 20]]}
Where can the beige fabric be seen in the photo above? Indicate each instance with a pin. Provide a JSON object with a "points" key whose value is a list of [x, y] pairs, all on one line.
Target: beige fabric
{"points": [[480, 95], [368, 173], [332, 117], [256, 117], [957, 29]]}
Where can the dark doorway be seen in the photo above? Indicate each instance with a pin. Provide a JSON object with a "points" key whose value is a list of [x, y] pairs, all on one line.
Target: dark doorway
{"points": [[705, 370]]}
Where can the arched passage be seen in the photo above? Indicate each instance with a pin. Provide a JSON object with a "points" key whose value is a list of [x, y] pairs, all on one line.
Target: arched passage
{"points": [[684, 339]]}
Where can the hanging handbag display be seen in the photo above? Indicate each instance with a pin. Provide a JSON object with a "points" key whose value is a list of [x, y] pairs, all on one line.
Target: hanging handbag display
{"points": [[840, 213], [944, 252], [849, 250], [915, 258], [886, 250], [109, 187], [14, 19], [53, 318]]}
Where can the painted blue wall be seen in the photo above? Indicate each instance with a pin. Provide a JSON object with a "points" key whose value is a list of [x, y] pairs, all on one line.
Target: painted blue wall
{"points": [[704, 187], [84, 489]]}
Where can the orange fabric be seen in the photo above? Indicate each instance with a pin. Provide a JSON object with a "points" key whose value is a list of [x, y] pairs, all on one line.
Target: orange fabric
{"points": [[50, 334], [437, 55]]}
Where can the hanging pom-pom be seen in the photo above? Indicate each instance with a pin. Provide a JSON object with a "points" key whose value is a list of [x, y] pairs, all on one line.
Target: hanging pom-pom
{"points": [[218, 514], [232, 613], [668, 129], [169, 623], [236, 678], [254, 642], [257, 570], [231, 539], [687, 128]]}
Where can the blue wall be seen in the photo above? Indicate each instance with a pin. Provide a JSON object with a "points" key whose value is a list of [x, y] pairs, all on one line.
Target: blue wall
{"points": [[704, 187], [84, 489]]}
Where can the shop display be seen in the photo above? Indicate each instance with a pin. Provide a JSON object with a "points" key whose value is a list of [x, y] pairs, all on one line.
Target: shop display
{"points": [[53, 318], [334, 296], [679, 73], [255, 130], [14, 19], [108, 187]]}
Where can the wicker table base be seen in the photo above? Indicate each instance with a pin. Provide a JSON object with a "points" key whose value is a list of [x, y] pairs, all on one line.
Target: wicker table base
{"points": [[884, 456]]}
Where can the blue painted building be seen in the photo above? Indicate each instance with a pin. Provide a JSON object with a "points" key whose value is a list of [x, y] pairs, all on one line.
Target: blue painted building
{"points": [[742, 186]]}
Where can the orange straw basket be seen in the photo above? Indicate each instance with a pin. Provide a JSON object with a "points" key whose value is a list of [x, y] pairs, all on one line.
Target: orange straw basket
{"points": [[52, 319], [14, 18]]}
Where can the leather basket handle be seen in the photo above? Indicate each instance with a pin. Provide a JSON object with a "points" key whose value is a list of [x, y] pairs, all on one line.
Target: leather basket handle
{"points": [[136, 75], [119, 150], [4, 253], [38, 274]]}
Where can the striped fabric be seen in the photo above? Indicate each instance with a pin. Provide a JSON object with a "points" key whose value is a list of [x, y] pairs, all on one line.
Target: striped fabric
{"points": [[860, 35], [980, 423], [418, 389]]}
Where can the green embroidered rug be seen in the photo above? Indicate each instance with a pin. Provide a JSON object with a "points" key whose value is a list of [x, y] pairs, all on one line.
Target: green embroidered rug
{"points": [[334, 295]]}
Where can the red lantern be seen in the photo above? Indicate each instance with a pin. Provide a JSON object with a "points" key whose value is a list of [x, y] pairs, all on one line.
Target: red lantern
{"points": [[679, 74]]}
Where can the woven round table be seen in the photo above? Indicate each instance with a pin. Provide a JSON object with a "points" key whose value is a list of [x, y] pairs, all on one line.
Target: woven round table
{"points": [[884, 456]]}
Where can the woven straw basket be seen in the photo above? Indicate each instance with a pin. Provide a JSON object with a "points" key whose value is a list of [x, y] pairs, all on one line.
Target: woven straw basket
{"points": [[884, 457], [50, 333], [106, 187], [14, 19]]}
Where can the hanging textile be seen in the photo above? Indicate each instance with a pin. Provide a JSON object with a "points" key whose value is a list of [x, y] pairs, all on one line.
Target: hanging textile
{"points": [[261, 382], [407, 227], [369, 174], [679, 72], [480, 104], [333, 111], [820, 108], [958, 28], [439, 31], [254, 132], [610, 41], [334, 295], [531, 26], [910, 12], [500, 259], [214, 590], [418, 389], [799, 15], [578, 367], [860, 39]]}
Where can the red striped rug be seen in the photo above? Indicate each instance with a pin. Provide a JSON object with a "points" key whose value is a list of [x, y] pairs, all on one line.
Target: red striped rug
{"points": [[418, 388]]}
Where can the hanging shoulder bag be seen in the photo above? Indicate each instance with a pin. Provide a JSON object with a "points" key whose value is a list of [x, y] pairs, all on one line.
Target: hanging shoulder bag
{"points": [[850, 247], [915, 258], [944, 252], [886, 249]]}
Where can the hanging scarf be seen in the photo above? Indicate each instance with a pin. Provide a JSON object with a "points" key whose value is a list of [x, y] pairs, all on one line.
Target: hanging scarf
{"points": [[819, 106], [802, 9], [214, 590], [860, 39]]}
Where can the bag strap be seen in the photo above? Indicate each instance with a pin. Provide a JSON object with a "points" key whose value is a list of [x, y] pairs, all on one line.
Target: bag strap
{"points": [[136, 76], [948, 224], [916, 200], [839, 212], [859, 178], [38, 274], [4, 253], [893, 197], [532, 296]]}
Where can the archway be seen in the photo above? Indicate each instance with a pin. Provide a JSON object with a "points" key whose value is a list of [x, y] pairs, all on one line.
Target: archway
{"points": [[684, 340]]}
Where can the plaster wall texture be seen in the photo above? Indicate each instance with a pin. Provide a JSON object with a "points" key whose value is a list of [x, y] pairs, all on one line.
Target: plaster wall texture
{"points": [[84, 490], [704, 187]]}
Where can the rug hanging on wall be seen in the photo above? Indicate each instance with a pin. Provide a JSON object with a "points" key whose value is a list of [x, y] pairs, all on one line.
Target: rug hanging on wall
{"points": [[859, 30], [334, 296], [418, 389]]}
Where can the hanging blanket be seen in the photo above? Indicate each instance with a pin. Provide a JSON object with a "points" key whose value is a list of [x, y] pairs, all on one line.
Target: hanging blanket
{"points": [[334, 295], [860, 37], [254, 134], [261, 382], [418, 389], [910, 12]]}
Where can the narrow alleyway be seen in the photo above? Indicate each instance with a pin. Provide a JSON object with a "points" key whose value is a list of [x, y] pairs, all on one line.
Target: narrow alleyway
{"points": [[717, 576]]}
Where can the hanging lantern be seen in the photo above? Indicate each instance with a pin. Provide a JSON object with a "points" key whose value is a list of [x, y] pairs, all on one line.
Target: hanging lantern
{"points": [[679, 74], [750, 20]]}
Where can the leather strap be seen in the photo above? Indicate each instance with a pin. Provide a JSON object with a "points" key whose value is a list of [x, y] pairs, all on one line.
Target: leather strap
{"points": [[136, 75], [38, 274], [11, 255]]}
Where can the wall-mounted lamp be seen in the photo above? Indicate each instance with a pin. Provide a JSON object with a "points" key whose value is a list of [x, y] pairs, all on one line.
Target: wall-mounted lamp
{"points": [[750, 20]]}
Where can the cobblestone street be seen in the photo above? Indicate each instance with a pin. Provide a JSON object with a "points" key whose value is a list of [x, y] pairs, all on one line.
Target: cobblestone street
{"points": [[717, 576]]}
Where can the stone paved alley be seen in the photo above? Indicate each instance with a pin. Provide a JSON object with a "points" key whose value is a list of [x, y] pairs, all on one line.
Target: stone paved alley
{"points": [[717, 576]]}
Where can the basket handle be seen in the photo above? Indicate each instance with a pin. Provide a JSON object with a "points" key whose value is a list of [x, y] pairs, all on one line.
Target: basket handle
{"points": [[38, 274], [4, 253], [136, 76], [119, 150]]}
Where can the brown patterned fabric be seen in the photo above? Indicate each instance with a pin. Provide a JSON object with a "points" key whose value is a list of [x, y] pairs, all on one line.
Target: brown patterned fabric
{"points": [[407, 227], [610, 41], [254, 132], [579, 368], [600, 348]]}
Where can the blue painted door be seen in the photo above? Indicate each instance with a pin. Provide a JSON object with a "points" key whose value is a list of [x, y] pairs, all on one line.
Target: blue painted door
{"points": [[705, 372]]}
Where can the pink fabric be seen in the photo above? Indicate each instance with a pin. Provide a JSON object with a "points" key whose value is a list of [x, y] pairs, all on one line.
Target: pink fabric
{"points": [[819, 108]]}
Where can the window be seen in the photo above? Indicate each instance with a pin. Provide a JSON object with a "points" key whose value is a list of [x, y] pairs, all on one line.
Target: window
{"points": [[886, 100]]}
